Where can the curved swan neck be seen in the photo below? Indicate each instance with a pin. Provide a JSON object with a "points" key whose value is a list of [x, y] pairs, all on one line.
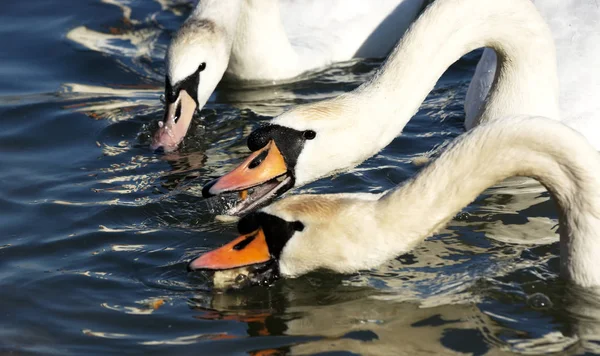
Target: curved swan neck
{"points": [[357, 125], [449, 29], [548, 151], [526, 81]]}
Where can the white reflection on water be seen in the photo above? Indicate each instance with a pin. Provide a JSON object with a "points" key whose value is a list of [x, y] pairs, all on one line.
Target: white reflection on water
{"points": [[136, 44], [110, 104], [146, 306], [105, 335], [189, 339]]}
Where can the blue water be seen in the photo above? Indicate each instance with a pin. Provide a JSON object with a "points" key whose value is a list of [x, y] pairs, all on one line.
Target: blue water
{"points": [[96, 230]]}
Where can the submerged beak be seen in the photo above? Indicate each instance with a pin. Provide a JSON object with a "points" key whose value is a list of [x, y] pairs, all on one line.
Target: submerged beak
{"points": [[262, 166], [175, 124], [246, 250]]}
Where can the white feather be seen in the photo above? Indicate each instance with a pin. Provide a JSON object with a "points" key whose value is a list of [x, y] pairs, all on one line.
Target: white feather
{"points": [[575, 27], [280, 39]]}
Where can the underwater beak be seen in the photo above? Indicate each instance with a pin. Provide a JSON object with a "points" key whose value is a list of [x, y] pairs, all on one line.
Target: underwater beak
{"points": [[262, 166], [175, 124], [249, 249]]}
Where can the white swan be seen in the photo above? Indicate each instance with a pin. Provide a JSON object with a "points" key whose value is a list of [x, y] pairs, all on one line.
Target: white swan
{"points": [[312, 141], [270, 40], [350, 232]]}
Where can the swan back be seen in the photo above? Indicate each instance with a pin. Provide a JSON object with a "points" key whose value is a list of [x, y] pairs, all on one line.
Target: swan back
{"points": [[575, 25], [280, 39], [345, 29]]}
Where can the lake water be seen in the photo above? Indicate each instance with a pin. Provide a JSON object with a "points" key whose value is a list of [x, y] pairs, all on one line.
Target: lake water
{"points": [[96, 230]]}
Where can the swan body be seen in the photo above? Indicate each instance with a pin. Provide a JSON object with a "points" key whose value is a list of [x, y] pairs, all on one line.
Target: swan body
{"points": [[350, 232], [270, 40], [281, 39], [355, 126]]}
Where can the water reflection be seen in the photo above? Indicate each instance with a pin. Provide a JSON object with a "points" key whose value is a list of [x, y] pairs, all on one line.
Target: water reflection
{"points": [[137, 42], [111, 104], [365, 321]]}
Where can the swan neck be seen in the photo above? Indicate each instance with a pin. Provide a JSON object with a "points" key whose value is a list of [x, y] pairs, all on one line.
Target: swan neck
{"points": [[224, 13], [526, 80], [261, 48], [545, 150]]}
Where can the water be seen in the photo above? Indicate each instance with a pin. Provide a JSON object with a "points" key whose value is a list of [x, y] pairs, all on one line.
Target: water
{"points": [[95, 230]]}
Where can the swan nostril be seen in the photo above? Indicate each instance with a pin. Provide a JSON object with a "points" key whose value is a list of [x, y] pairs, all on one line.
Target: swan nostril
{"points": [[258, 160], [177, 112], [245, 242]]}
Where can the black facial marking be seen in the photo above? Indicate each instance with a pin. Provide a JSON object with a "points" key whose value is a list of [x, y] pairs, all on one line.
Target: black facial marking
{"points": [[277, 231], [298, 226], [289, 141], [206, 189], [170, 94], [248, 224], [258, 160], [189, 84], [242, 244]]}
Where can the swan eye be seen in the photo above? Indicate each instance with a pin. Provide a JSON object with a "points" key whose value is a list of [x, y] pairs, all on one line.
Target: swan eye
{"points": [[201, 67], [297, 225], [309, 134], [258, 160]]}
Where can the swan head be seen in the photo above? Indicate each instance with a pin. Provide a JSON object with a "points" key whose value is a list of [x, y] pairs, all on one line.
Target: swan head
{"points": [[302, 145], [196, 60], [304, 233]]}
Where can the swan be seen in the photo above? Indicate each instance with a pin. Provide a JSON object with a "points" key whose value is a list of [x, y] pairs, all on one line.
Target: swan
{"points": [[312, 141], [575, 27], [346, 233], [269, 40]]}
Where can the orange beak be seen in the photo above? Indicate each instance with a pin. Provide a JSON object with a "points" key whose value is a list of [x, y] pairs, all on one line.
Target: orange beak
{"points": [[246, 250], [263, 165]]}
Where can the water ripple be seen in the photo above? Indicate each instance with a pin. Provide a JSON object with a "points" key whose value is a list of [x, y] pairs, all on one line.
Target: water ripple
{"points": [[97, 229]]}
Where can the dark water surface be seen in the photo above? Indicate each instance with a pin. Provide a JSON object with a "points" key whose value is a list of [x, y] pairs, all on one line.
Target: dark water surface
{"points": [[96, 230]]}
